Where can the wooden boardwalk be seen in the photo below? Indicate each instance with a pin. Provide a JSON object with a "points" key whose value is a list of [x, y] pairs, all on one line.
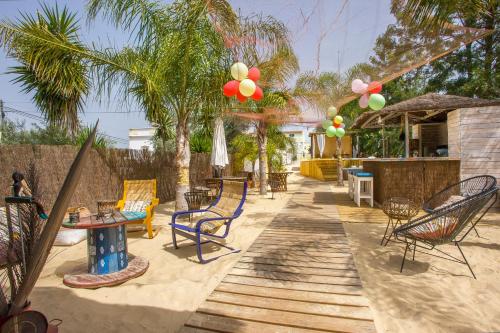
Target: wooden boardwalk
{"points": [[298, 276]]}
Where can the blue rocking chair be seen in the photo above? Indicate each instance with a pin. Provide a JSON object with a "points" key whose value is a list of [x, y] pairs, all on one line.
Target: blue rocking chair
{"points": [[203, 226]]}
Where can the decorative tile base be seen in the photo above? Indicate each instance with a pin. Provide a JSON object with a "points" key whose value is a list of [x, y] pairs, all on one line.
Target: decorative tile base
{"points": [[136, 267]]}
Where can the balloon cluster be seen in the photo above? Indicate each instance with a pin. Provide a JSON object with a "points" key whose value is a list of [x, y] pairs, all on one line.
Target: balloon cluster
{"points": [[335, 127], [370, 94], [244, 84]]}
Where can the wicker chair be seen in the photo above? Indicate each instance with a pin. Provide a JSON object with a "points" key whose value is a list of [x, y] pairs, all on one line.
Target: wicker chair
{"points": [[227, 207], [460, 191], [445, 225]]}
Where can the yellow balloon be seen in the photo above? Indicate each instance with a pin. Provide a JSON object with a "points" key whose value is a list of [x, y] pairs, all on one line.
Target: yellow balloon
{"points": [[239, 71], [338, 120], [247, 87]]}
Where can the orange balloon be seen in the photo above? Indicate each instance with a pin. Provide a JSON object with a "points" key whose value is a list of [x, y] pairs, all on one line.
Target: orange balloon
{"points": [[254, 74]]}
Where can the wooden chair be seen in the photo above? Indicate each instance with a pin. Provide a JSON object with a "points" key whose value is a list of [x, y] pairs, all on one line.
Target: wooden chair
{"points": [[227, 207], [140, 196]]}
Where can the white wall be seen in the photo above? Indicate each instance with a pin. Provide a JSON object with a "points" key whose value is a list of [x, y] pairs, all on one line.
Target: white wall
{"points": [[140, 138]]}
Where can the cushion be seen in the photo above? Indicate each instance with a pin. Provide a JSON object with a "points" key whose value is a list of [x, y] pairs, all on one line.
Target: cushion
{"points": [[136, 206], [439, 228], [450, 201], [68, 237], [133, 215], [364, 174], [210, 227]]}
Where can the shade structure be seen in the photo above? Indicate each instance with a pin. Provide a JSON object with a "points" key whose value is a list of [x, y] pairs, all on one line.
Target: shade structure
{"points": [[219, 157]]}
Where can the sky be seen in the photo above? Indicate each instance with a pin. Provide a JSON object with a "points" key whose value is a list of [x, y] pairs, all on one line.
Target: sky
{"points": [[347, 30]]}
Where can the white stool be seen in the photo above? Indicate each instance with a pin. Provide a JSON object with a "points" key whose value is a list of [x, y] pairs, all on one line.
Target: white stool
{"points": [[350, 185], [363, 189]]}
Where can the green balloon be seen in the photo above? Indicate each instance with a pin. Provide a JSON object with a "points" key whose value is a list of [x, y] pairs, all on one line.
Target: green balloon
{"points": [[332, 111], [331, 131], [326, 123], [376, 102], [340, 132]]}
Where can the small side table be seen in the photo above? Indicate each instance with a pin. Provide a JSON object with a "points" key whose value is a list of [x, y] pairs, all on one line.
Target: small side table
{"points": [[108, 259], [398, 210]]}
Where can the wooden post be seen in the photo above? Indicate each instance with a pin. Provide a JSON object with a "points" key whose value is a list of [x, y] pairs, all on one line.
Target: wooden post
{"points": [[383, 141], [407, 136], [313, 143]]}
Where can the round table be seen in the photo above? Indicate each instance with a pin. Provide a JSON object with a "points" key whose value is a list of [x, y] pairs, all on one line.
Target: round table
{"points": [[108, 260]]}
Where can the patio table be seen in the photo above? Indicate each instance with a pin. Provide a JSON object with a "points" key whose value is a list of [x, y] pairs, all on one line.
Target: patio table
{"points": [[108, 259]]}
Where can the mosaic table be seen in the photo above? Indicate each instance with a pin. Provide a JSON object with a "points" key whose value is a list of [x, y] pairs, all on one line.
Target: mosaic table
{"points": [[108, 260]]}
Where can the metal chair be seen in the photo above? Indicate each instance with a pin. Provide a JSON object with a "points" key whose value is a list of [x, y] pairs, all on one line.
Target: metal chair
{"points": [[445, 225], [227, 207], [460, 191]]}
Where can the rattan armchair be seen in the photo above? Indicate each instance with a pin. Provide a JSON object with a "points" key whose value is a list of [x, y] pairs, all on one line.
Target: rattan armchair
{"points": [[452, 223]]}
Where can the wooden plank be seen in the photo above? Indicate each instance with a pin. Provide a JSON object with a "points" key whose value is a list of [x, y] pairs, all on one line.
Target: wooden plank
{"points": [[319, 279], [298, 295], [287, 251], [328, 247], [297, 263], [312, 240], [292, 319], [294, 285], [303, 236], [219, 324], [301, 270], [295, 256], [265, 302], [187, 329]]}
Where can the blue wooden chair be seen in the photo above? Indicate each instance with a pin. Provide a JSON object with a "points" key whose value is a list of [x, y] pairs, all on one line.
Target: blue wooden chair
{"points": [[205, 223]]}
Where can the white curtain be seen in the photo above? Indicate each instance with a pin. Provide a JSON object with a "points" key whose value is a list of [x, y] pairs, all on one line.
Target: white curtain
{"points": [[321, 143]]}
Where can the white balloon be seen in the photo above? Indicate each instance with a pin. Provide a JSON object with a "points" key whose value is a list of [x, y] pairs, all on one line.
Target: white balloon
{"points": [[247, 87], [357, 86], [363, 88], [239, 71]]}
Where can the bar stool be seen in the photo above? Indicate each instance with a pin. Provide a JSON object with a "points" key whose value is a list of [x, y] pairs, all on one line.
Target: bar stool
{"points": [[351, 172], [363, 188], [398, 210]]}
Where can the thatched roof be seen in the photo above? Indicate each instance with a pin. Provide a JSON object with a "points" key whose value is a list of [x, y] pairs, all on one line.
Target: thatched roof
{"points": [[422, 109]]}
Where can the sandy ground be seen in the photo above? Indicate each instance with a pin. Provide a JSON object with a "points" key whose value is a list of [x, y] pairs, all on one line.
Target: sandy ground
{"points": [[163, 298], [432, 294]]}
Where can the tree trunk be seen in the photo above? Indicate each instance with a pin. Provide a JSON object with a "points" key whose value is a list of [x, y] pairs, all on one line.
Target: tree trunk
{"points": [[340, 176], [262, 146], [182, 159]]}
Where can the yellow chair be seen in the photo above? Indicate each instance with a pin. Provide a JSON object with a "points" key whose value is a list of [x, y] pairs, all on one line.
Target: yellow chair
{"points": [[141, 196]]}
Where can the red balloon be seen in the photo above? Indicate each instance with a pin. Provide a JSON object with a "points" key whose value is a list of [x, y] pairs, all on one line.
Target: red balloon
{"points": [[336, 125], [254, 74], [231, 88], [258, 94], [240, 97], [374, 87]]}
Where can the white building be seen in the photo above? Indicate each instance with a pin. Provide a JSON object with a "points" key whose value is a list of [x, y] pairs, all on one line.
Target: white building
{"points": [[141, 138], [300, 135]]}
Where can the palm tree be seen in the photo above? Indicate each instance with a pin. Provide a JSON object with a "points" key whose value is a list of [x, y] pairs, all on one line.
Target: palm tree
{"points": [[58, 91], [268, 47], [177, 65]]}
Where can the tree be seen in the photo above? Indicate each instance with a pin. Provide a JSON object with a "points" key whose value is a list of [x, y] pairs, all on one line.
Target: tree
{"points": [[58, 80], [267, 46], [471, 70], [177, 65]]}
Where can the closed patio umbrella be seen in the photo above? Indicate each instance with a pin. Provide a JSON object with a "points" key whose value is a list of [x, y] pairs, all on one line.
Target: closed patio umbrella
{"points": [[219, 158], [321, 144]]}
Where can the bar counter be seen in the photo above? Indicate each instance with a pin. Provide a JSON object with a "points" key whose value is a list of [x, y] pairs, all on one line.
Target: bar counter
{"points": [[414, 178]]}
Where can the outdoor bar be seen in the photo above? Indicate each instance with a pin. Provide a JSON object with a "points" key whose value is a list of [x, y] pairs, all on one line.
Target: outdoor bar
{"points": [[444, 135]]}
